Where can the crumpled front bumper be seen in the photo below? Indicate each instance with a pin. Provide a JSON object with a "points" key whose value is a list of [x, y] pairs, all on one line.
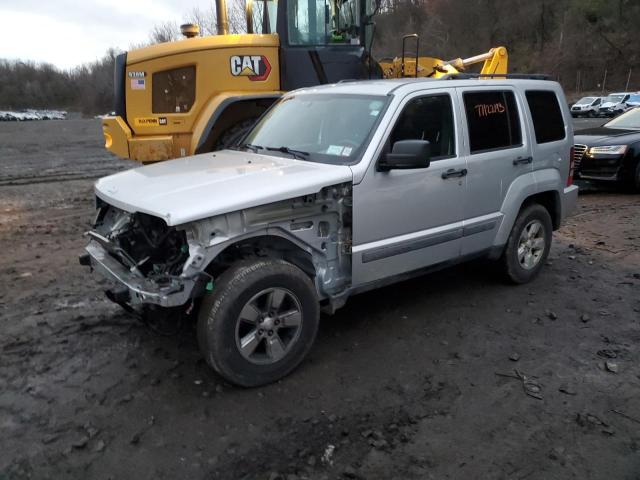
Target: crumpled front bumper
{"points": [[141, 290]]}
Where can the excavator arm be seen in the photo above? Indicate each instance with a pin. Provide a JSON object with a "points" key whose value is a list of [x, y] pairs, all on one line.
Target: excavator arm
{"points": [[495, 61]]}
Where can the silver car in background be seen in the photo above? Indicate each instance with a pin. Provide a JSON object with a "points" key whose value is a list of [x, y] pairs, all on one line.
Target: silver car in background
{"points": [[614, 104]]}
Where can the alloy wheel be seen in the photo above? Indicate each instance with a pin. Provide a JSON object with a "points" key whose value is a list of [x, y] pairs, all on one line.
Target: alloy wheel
{"points": [[531, 245], [268, 326]]}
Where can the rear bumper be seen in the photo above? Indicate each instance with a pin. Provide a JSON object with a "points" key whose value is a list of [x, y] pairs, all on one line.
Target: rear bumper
{"points": [[569, 200], [141, 290]]}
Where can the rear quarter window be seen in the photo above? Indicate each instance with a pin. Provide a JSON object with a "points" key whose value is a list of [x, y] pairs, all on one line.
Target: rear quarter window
{"points": [[546, 116], [493, 120]]}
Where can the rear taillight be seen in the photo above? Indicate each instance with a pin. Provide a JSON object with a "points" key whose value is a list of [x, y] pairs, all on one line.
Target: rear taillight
{"points": [[571, 166]]}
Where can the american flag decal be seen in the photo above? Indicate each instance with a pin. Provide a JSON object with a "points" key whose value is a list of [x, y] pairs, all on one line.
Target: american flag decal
{"points": [[137, 84]]}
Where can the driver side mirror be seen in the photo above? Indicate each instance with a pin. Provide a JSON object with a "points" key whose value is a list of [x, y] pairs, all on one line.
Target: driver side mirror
{"points": [[405, 155]]}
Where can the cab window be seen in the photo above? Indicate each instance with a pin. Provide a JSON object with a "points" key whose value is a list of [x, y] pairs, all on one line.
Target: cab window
{"points": [[493, 120], [428, 118], [308, 22], [323, 22], [258, 15]]}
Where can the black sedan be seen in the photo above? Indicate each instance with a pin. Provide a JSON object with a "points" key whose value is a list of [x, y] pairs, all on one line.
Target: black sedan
{"points": [[610, 153]]}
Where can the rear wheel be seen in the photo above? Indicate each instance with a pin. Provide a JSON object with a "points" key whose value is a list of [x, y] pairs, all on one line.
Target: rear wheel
{"points": [[528, 244], [260, 321]]}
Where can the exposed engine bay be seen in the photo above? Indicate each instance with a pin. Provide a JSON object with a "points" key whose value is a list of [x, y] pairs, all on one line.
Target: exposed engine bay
{"points": [[141, 242]]}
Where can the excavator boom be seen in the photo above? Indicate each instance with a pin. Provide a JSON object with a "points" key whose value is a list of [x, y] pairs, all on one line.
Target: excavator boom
{"points": [[494, 61]]}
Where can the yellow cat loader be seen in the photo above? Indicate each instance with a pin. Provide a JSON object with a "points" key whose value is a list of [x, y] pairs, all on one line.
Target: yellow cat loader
{"points": [[199, 94]]}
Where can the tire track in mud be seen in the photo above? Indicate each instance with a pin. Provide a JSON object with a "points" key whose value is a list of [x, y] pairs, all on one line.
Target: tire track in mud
{"points": [[56, 177]]}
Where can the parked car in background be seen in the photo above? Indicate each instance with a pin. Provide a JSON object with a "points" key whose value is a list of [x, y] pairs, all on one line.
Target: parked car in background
{"points": [[634, 100], [613, 104], [610, 153], [586, 107]]}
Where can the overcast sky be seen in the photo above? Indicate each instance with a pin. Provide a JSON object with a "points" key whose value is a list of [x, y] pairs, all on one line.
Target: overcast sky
{"points": [[67, 33]]}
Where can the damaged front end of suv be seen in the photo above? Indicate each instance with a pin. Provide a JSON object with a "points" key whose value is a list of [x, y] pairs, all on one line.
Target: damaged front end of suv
{"points": [[143, 256], [154, 264]]}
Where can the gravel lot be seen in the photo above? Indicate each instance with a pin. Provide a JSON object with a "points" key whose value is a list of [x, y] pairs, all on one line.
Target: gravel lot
{"points": [[453, 375]]}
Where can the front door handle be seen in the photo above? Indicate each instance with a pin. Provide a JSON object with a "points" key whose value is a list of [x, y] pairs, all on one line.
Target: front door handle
{"points": [[523, 161], [453, 173]]}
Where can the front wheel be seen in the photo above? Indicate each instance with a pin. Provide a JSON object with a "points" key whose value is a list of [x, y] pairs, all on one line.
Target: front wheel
{"points": [[259, 322], [528, 244]]}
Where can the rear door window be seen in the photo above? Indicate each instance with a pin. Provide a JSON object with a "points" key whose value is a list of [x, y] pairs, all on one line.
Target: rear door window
{"points": [[493, 120], [546, 115]]}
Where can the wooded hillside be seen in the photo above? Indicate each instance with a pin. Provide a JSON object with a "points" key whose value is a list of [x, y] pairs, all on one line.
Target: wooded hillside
{"points": [[576, 41]]}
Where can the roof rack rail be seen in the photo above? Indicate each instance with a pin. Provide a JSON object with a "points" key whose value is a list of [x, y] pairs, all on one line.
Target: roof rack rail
{"points": [[520, 76]]}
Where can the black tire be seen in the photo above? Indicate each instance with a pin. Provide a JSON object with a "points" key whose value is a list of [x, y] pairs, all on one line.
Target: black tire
{"points": [[510, 262], [219, 320], [232, 135]]}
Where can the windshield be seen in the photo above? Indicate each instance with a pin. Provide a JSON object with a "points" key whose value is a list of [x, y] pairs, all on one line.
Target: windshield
{"points": [[319, 128], [586, 101], [613, 99], [630, 119]]}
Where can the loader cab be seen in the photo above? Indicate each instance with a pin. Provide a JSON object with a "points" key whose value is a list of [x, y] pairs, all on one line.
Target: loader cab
{"points": [[321, 41]]}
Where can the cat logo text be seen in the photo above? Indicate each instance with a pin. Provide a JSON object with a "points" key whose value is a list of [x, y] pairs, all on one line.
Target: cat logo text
{"points": [[254, 67]]}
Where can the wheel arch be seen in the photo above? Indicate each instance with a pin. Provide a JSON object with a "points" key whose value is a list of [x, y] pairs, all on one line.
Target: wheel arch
{"points": [[549, 200], [223, 112], [540, 186], [263, 244]]}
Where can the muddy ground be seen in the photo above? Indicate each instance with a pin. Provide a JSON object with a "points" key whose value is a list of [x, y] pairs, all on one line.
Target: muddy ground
{"points": [[415, 381]]}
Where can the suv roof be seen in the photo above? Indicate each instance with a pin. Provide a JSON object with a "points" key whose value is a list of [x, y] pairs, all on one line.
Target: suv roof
{"points": [[386, 87]]}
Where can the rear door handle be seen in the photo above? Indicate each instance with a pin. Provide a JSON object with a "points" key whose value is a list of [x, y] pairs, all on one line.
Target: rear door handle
{"points": [[523, 161], [453, 173]]}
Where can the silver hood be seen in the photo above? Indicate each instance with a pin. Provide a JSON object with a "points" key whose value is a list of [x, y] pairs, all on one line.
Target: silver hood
{"points": [[192, 188]]}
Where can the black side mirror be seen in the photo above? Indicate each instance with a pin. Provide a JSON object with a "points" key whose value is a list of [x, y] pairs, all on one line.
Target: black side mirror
{"points": [[406, 154]]}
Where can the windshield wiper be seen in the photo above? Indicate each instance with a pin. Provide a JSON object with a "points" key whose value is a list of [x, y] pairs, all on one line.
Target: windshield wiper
{"points": [[253, 148], [299, 154]]}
